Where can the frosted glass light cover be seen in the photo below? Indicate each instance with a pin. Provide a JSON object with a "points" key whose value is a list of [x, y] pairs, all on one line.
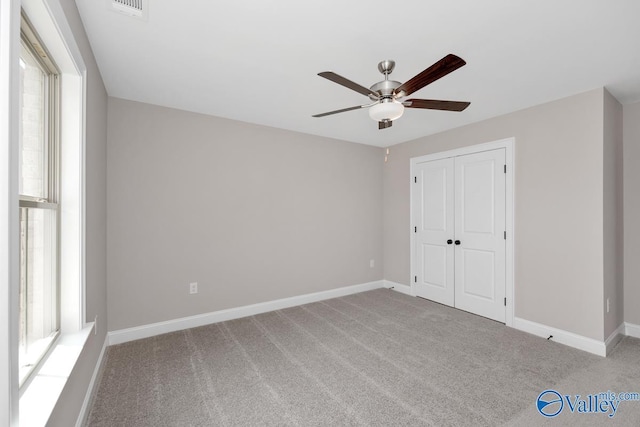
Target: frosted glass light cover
{"points": [[389, 110]]}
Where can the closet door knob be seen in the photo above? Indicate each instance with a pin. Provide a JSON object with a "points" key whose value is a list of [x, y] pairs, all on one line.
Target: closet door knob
{"points": [[457, 242], [449, 242]]}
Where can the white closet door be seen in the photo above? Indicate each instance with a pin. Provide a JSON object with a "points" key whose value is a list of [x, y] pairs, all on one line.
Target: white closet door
{"points": [[479, 233], [433, 203]]}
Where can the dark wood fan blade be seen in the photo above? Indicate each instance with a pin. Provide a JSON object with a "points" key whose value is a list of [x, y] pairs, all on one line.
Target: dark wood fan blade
{"points": [[340, 111], [434, 104], [385, 124], [336, 78], [438, 70]]}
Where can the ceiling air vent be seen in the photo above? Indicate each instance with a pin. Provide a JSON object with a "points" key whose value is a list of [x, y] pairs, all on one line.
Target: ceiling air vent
{"points": [[135, 8]]}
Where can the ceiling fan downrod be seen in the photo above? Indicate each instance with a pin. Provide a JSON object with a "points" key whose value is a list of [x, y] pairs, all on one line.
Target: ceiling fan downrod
{"points": [[386, 67], [385, 88]]}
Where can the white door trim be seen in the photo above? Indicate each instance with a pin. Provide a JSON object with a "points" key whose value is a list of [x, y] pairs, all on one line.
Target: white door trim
{"points": [[509, 145]]}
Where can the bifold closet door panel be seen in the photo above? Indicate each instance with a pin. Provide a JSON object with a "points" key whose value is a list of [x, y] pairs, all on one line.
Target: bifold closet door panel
{"points": [[479, 233], [433, 204]]}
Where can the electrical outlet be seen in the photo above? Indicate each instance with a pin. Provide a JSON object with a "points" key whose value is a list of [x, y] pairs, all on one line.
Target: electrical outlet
{"points": [[607, 305], [193, 287], [372, 263]]}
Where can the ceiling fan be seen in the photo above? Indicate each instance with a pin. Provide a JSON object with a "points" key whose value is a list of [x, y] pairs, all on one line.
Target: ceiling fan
{"points": [[387, 94]]}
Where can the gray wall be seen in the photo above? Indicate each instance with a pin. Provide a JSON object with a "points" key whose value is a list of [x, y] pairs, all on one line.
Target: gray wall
{"points": [[251, 213], [613, 220], [558, 208], [68, 406], [632, 214]]}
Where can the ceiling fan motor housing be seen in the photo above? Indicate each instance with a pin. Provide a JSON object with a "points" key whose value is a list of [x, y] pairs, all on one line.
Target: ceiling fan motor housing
{"points": [[385, 88]]}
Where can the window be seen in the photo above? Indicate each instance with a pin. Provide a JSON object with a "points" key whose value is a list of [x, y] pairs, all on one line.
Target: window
{"points": [[38, 198], [43, 195]]}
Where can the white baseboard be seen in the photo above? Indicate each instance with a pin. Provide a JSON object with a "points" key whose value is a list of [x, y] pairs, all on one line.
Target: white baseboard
{"points": [[615, 337], [632, 330], [87, 398], [145, 331], [398, 287], [563, 337]]}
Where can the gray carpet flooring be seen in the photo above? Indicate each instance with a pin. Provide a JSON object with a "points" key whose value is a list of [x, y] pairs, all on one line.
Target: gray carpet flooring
{"points": [[374, 358]]}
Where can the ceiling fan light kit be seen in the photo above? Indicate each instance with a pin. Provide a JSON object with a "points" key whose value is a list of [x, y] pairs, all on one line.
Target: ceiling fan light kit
{"points": [[386, 109], [387, 94]]}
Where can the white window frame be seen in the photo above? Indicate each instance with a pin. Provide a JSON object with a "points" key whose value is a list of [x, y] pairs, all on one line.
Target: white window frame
{"points": [[9, 238], [38, 400], [52, 141]]}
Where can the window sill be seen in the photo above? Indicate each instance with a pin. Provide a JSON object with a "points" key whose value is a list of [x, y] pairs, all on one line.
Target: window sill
{"points": [[40, 397]]}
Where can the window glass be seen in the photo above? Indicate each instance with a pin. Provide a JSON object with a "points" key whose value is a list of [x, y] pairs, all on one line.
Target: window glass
{"points": [[33, 121], [38, 291]]}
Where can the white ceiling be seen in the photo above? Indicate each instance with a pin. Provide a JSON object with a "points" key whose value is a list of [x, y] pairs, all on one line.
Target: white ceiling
{"points": [[256, 61]]}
